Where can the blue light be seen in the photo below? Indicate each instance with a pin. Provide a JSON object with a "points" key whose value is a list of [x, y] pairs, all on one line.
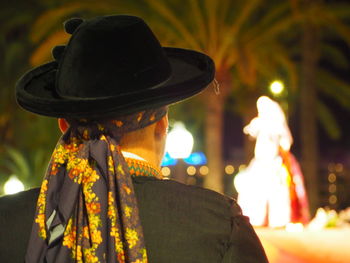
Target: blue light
{"points": [[168, 161], [196, 158]]}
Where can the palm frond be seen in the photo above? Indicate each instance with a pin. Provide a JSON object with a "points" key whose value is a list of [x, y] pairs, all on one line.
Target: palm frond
{"points": [[40, 161], [328, 121], [231, 58], [266, 67], [201, 24], [248, 8], [339, 10], [281, 55], [225, 10], [342, 29], [334, 87], [17, 163], [326, 18], [211, 10], [231, 31], [50, 19], [168, 14], [246, 67], [332, 53], [275, 30], [270, 18]]}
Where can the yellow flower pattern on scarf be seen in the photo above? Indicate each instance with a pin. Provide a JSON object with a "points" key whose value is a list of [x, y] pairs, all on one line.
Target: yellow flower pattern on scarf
{"points": [[96, 210]]}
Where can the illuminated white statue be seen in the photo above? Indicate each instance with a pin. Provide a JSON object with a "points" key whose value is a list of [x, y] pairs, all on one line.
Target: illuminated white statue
{"points": [[264, 187]]}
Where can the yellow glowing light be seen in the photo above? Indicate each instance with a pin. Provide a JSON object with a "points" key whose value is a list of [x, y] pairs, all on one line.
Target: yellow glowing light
{"points": [[13, 185], [277, 87], [166, 171], [241, 167], [332, 188], [191, 170], [332, 178], [229, 169], [204, 170], [331, 167], [294, 227], [333, 199], [339, 167]]}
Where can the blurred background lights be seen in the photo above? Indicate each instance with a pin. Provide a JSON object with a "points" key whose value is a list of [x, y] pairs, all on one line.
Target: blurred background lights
{"points": [[204, 170], [13, 185], [179, 142], [332, 177], [191, 170], [196, 158], [332, 188], [333, 199], [168, 161], [331, 167], [166, 171], [339, 167], [229, 169], [276, 87], [241, 167]]}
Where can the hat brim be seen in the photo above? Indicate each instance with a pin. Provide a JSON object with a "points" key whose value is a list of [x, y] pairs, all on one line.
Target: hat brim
{"points": [[191, 73]]}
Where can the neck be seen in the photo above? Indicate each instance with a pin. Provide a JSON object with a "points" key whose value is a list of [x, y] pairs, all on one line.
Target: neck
{"points": [[146, 154]]}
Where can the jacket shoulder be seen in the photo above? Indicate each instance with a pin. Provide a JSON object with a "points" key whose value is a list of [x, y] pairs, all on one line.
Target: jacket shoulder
{"points": [[172, 192], [21, 199], [183, 223], [16, 218]]}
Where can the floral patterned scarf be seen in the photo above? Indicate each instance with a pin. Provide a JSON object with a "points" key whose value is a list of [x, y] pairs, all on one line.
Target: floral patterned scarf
{"points": [[87, 209]]}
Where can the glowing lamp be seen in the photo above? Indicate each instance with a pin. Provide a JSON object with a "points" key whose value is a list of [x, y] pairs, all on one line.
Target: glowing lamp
{"points": [[179, 142], [277, 87], [166, 171], [13, 185]]}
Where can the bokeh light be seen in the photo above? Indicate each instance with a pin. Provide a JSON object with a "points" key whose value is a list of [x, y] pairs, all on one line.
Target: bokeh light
{"points": [[13, 185], [276, 87]]}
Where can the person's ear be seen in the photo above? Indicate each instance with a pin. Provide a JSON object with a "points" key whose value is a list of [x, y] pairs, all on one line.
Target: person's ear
{"points": [[162, 127], [63, 125]]}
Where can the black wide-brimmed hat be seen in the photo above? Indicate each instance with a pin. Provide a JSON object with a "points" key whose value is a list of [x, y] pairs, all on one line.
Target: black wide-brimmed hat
{"points": [[112, 66]]}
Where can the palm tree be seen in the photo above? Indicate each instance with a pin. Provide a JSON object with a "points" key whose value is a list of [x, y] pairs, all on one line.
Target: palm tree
{"points": [[319, 18]]}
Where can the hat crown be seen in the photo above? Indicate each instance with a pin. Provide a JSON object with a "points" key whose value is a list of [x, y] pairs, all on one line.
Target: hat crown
{"points": [[111, 55]]}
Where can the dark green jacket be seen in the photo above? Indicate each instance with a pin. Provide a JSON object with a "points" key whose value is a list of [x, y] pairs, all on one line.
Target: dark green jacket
{"points": [[181, 224]]}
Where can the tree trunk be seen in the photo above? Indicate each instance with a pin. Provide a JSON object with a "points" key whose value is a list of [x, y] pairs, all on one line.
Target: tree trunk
{"points": [[214, 102], [308, 124], [213, 141]]}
